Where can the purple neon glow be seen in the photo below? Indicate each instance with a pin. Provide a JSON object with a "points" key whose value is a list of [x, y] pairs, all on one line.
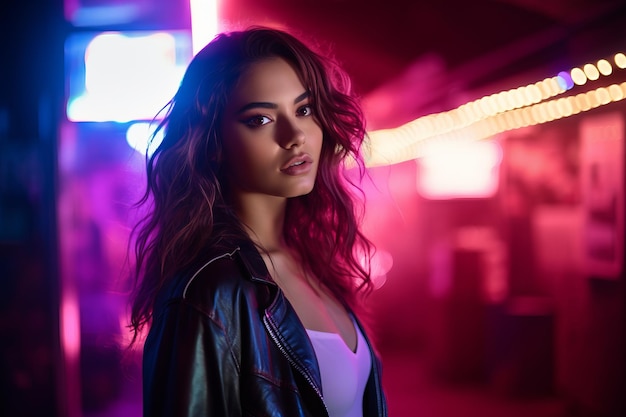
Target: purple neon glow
{"points": [[564, 79]]}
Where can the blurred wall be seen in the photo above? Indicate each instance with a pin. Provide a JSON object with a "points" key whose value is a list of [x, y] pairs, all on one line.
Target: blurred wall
{"points": [[557, 326], [31, 80]]}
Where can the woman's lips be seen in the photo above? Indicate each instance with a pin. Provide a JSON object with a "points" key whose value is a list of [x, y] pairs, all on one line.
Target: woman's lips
{"points": [[298, 165]]}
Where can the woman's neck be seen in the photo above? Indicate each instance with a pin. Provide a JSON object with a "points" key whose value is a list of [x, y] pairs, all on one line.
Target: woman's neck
{"points": [[263, 217]]}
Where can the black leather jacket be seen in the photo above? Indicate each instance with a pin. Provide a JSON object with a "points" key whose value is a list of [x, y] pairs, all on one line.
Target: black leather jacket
{"points": [[225, 342]]}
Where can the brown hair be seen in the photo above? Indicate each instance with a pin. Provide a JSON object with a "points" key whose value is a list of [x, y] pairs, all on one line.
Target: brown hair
{"points": [[185, 190]]}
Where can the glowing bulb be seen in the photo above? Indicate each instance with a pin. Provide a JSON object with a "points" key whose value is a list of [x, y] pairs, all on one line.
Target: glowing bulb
{"points": [[564, 107], [605, 67], [484, 107], [533, 93], [603, 96], [527, 116], [565, 80], [543, 88], [578, 76], [615, 92], [519, 97], [583, 101], [620, 60], [554, 86], [574, 104], [591, 72], [518, 119], [491, 105], [552, 110], [593, 99], [537, 112], [502, 101]]}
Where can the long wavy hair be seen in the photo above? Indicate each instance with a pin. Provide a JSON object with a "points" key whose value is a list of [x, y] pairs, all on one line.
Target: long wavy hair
{"points": [[186, 188]]}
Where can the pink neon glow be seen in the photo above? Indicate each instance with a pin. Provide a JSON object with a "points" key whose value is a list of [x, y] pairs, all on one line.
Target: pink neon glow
{"points": [[380, 264], [70, 325]]}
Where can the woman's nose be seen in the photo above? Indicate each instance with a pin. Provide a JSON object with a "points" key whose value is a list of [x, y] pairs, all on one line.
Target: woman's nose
{"points": [[291, 135]]}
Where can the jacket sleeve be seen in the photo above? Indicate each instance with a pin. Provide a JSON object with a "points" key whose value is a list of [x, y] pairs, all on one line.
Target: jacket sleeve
{"points": [[189, 368]]}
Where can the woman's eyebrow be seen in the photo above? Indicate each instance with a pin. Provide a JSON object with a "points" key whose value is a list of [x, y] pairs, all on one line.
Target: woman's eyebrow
{"points": [[268, 105], [301, 97]]}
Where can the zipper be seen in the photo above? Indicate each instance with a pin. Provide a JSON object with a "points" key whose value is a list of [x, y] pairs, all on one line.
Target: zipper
{"points": [[272, 330]]}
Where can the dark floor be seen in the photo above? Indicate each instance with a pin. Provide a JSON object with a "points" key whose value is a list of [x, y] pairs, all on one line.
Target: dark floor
{"points": [[412, 392]]}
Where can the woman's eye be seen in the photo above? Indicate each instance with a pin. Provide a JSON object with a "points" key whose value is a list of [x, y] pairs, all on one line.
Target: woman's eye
{"points": [[306, 110], [257, 121]]}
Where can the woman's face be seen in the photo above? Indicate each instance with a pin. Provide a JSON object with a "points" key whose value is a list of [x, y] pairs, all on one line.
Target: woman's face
{"points": [[272, 140]]}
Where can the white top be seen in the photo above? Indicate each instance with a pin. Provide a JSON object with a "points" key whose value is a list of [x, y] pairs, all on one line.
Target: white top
{"points": [[344, 373]]}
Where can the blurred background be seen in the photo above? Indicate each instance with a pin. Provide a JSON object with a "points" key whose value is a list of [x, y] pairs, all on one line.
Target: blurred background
{"points": [[495, 193]]}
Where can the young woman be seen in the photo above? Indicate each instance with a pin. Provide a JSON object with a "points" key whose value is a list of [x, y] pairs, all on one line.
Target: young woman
{"points": [[249, 262]]}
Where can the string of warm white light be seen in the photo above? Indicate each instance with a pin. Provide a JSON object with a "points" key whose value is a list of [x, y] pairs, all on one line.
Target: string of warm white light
{"points": [[483, 118]]}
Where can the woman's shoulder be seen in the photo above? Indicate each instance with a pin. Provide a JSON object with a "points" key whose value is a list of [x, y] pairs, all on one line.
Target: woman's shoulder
{"points": [[219, 275], [214, 269]]}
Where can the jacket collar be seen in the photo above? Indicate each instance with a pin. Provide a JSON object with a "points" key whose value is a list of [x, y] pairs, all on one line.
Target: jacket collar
{"points": [[251, 259], [281, 320]]}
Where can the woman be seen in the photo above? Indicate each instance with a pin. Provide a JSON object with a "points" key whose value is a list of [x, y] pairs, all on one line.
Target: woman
{"points": [[249, 262]]}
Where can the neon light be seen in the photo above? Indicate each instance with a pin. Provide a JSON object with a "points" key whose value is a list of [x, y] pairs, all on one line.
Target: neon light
{"points": [[495, 113], [139, 136], [204, 24], [127, 77], [565, 80], [459, 169], [70, 325]]}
